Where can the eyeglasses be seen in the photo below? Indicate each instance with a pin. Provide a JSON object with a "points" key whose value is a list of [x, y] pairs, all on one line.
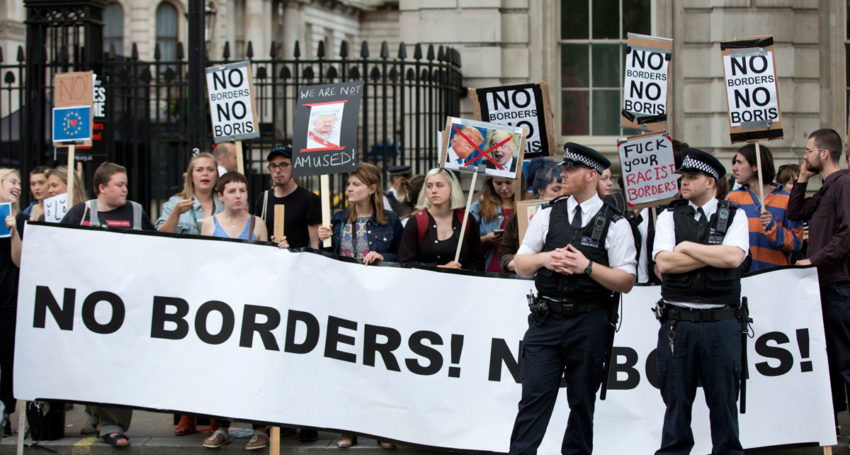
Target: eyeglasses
{"points": [[808, 150], [280, 166]]}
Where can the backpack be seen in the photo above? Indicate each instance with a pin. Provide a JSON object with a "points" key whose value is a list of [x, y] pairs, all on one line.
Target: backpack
{"points": [[421, 218]]}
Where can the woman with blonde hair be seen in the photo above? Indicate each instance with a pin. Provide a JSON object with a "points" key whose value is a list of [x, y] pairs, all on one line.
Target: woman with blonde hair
{"points": [[57, 183], [184, 213], [432, 234], [10, 260]]}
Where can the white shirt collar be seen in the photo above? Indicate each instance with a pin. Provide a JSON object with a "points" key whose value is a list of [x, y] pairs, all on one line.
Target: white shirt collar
{"points": [[709, 207], [588, 207]]}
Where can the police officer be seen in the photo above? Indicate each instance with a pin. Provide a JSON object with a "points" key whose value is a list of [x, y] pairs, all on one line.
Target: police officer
{"points": [[699, 247], [583, 254]]}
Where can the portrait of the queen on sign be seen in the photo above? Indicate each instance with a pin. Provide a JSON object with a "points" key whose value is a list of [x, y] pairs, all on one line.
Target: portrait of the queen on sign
{"points": [[470, 144]]}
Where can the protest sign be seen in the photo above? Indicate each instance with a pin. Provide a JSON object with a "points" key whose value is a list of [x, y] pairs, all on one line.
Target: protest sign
{"points": [[56, 207], [752, 96], [325, 138], [649, 170], [645, 84], [232, 108], [525, 212], [335, 357], [467, 144], [526, 106], [5, 210], [73, 95]]}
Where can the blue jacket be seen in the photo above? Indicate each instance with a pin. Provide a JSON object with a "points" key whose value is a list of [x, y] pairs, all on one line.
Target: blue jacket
{"points": [[486, 226], [383, 239]]}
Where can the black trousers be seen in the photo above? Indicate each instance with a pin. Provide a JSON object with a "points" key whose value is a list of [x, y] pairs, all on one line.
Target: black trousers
{"points": [[708, 353], [835, 301], [7, 356], [569, 347]]}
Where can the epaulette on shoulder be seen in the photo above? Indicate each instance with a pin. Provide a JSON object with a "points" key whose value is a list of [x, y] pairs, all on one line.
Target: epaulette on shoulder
{"points": [[561, 198], [676, 203], [728, 203]]}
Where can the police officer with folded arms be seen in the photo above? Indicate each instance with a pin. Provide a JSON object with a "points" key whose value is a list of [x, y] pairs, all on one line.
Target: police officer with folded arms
{"points": [[581, 252], [699, 246]]}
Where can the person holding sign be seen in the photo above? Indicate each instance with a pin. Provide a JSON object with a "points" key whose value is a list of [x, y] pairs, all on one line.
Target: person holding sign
{"points": [[579, 270], [364, 230], [57, 184], [772, 240], [494, 207], [10, 260], [184, 212], [700, 243], [829, 247], [303, 209], [432, 234]]}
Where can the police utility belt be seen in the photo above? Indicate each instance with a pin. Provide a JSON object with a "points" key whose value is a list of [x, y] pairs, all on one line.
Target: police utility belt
{"points": [[544, 305], [666, 312]]}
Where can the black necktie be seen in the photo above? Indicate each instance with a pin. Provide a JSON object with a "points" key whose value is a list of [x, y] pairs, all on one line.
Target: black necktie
{"points": [[702, 223], [576, 224]]}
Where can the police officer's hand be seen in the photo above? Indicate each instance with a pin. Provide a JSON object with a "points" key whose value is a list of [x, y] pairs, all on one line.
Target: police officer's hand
{"points": [[576, 262], [555, 260], [766, 218]]}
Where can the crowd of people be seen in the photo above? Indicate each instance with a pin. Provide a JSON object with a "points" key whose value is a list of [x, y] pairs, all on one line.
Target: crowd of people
{"points": [[579, 270]]}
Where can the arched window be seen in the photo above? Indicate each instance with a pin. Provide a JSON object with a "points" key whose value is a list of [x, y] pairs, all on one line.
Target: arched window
{"points": [[113, 28], [166, 31]]}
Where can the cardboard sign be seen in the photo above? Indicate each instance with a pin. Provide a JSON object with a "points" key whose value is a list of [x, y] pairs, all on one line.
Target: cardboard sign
{"points": [[468, 144], [752, 94], [55, 208], [648, 170], [5, 210], [74, 91], [232, 108], [525, 212], [325, 138], [645, 83], [526, 106]]}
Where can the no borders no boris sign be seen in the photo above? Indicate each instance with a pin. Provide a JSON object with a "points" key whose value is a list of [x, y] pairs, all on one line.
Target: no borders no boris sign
{"points": [[752, 95], [645, 84], [232, 108], [526, 106]]}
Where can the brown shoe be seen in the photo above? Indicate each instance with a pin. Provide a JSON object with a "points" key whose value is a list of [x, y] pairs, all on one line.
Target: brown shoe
{"points": [[217, 439], [346, 440], [186, 426], [260, 440]]}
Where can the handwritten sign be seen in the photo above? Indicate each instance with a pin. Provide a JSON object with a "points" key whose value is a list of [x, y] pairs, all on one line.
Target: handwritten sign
{"points": [[325, 137], [648, 169], [752, 96], [55, 208], [232, 108], [645, 85], [526, 106], [73, 95], [525, 212]]}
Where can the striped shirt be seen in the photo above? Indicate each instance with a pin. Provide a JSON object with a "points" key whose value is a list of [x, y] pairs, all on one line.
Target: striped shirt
{"points": [[771, 247]]}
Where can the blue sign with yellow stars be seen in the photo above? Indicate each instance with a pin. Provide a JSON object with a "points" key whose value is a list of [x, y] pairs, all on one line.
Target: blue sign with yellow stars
{"points": [[71, 124]]}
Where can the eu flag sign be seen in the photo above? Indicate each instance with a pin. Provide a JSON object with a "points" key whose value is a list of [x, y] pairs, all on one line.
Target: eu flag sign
{"points": [[72, 124]]}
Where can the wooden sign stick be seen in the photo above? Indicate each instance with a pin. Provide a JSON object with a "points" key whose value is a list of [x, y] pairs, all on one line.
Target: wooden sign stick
{"points": [[278, 221], [274, 441], [240, 166], [69, 200], [761, 184], [21, 409], [465, 216], [325, 185]]}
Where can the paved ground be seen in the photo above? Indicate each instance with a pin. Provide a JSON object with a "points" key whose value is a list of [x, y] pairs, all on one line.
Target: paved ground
{"points": [[153, 433]]}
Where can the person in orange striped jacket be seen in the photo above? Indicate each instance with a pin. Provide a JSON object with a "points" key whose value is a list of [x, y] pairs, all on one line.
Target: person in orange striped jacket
{"points": [[773, 237]]}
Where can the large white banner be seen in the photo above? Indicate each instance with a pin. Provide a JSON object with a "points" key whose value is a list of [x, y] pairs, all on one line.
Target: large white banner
{"points": [[412, 355]]}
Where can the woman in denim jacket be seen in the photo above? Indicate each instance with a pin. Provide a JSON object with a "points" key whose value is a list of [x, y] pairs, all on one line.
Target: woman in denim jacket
{"points": [[184, 212], [494, 206], [363, 230]]}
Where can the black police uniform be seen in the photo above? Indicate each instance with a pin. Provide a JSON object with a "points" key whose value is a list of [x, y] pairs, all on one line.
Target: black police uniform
{"points": [[700, 345], [569, 340]]}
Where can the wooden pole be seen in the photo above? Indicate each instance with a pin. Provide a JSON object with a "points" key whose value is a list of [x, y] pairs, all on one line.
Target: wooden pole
{"points": [[69, 200], [761, 184], [278, 223], [465, 216], [827, 450], [274, 441], [21, 409], [240, 165], [325, 184]]}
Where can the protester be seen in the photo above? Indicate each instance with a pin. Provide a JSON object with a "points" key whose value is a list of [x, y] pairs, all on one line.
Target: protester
{"points": [[547, 185], [494, 207], [10, 260], [303, 209], [110, 209], [700, 243], [38, 188], [578, 272], [605, 185], [772, 240], [397, 194], [363, 230], [184, 212], [225, 155], [414, 187], [829, 248], [786, 175], [57, 183], [432, 234]]}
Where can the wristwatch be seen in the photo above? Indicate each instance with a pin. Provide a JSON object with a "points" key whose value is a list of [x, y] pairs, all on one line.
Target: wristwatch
{"points": [[589, 267]]}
